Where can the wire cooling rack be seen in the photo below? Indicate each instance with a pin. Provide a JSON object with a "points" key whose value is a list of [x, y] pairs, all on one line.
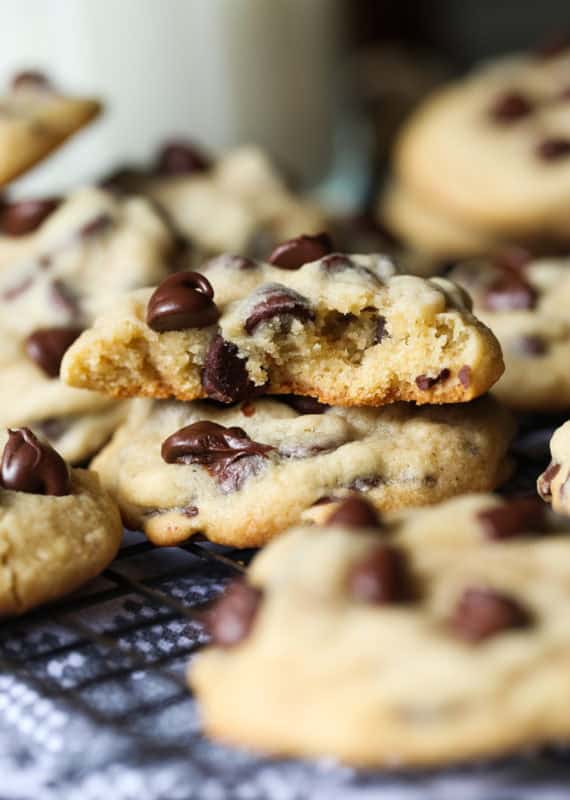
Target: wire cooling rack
{"points": [[94, 704]]}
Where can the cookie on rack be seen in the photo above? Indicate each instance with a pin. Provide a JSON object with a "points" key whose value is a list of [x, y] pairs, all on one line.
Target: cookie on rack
{"points": [[425, 640], [492, 151], [60, 265], [243, 474], [525, 302], [35, 119], [58, 527], [237, 203], [345, 329]]}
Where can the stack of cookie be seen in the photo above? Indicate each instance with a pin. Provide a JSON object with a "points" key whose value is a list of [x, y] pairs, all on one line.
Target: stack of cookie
{"points": [[369, 379], [487, 161]]}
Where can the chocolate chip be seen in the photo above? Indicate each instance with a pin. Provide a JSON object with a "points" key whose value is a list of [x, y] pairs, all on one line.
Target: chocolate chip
{"points": [[225, 377], [95, 226], [29, 465], [482, 612], [464, 376], [380, 332], [424, 382], [532, 346], [216, 448], [518, 517], [31, 79], [303, 405], [336, 262], [181, 158], [190, 511], [355, 512], [509, 292], [380, 577], [553, 149], [510, 107], [302, 250], [23, 217], [230, 619], [248, 409], [183, 300], [512, 258], [47, 346], [278, 301], [545, 480]]}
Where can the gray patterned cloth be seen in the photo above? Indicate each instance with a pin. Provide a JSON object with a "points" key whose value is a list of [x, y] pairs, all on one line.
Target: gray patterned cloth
{"points": [[93, 704]]}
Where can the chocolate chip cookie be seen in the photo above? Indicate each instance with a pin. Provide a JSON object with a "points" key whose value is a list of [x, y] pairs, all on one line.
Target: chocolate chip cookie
{"points": [[345, 329], [432, 638], [492, 151], [525, 302], [242, 474], [58, 528], [35, 119], [65, 261]]}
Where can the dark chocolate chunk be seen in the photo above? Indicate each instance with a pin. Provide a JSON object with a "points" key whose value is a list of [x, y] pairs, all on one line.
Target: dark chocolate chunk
{"points": [[510, 107], [230, 619], [508, 293], [23, 217], [517, 517], [380, 578], [181, 158], [545, 480], [464, 376], [424, 382], [301, 250], [482, 612], [31, 79], [183, 300], [225, 377], [47, 346], [553, 148], [29, 465], [303, 405], [216, 448], [355, 512], [278, 301]]}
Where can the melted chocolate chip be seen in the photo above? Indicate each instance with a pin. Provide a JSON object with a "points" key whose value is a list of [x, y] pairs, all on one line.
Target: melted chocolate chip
{"points": [[248, 409], [230, 619], [510, 107], [29, 465], [533, 346], [464, 376], [47, 346], [31, 79], [355, 512], [508, 293], [303, 405], [278, 301], [545, 480], [19, 219], [424, 382], [553, 149], [512, 258], [183, 300], [181, 158], [302, 250], [518, 517], [380, 577], [380, 332], [482, 612], [335, 263], [225, 377], [216, 448]]}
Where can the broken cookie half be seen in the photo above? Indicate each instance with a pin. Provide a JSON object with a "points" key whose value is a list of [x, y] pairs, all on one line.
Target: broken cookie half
{"points": [[347, 330]]}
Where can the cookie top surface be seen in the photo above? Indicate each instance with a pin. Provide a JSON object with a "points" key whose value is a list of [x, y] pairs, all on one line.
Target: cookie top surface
{"points": [[243, 474], [525, 303], [51, 543], [348, 330], [438, 638], [35, 119], [493, 150]]}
